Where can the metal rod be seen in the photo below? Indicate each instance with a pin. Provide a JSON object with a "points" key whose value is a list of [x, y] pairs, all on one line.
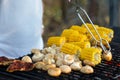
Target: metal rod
{"points": [[100, 39]]}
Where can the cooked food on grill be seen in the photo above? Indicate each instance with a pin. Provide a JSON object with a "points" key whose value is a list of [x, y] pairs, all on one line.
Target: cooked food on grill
{"points": [[76, 66], [65, 69], [68, 59], [54, 72], [59, 56], [107, 56], [87, 69], [59, 62], [92, 54], [81, 30], [104, 32], [82, 45], [4, 61], [70, 48], [48, 66], [37, 57], [49, 59], [73, 36], [90, 26], [57, 40], [73, 47], [26, 59], [87, 62], [19, 65], [39, 65]]}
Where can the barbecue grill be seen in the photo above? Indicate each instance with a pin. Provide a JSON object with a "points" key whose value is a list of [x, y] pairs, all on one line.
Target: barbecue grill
{"points": [[107, 70]]}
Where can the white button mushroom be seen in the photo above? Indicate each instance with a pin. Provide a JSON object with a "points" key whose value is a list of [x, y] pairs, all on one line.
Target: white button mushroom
{"points": [[65, 69], [54, 72], [26, 59], [87, 69], [68, 59], [37, 57], [76, 65], [107, 56], [39, 65]]}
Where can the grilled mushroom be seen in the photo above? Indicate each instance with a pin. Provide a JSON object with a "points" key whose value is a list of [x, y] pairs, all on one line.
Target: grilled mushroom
{"points": [[26, 59], [87, 69], [54, 72], [65, 69], [76, 65], [107, 56]]}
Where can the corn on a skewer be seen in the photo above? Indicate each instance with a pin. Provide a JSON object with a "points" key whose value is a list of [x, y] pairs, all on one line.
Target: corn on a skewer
{"points": [[70, 48], [92, 54], [57, 40]]}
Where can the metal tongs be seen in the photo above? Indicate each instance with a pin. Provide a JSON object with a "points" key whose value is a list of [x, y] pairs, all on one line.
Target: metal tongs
{"points": [[100, 41]]}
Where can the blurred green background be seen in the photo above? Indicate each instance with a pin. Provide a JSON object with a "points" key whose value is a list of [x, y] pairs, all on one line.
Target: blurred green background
{"points": [[60, 14]]}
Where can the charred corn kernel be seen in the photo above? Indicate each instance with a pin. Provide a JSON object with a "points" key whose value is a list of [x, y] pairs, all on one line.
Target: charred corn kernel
{"points": [[92, 54], [82, 45], [67, 32], [77, 38], [58, 41], [90, 26], [70, 48], [81, 30]]}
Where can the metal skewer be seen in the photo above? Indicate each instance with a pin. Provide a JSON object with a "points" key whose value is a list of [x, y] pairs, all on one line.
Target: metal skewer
{"points": [[100, 39]]}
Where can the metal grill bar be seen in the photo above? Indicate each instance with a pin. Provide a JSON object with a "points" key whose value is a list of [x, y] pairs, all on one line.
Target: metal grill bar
{"points": [[9, 76]]}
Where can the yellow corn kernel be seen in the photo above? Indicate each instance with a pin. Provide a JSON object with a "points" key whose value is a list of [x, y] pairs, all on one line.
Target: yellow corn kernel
{"points": [[70, 48], [92, 54], [82, 45], [68, 32], [103, 35], [90, 26], [81, 30], [57, 40], [77, 38], [108, 31]]}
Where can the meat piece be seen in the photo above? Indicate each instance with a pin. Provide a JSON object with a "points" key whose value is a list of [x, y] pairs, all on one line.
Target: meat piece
{"points": [[4, 61], [18, 65]]}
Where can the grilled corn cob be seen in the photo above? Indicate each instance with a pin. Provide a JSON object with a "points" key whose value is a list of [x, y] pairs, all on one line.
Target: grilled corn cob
{"points": [[73, 36], [77, 38], [82, 45], [108, 31], [103, 35], [70, 48], [57, 40], [92, 54], [81, 30], [68, 32]]}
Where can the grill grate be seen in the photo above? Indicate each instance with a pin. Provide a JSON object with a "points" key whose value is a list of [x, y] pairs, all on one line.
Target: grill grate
{"points": [[104, 71]]}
